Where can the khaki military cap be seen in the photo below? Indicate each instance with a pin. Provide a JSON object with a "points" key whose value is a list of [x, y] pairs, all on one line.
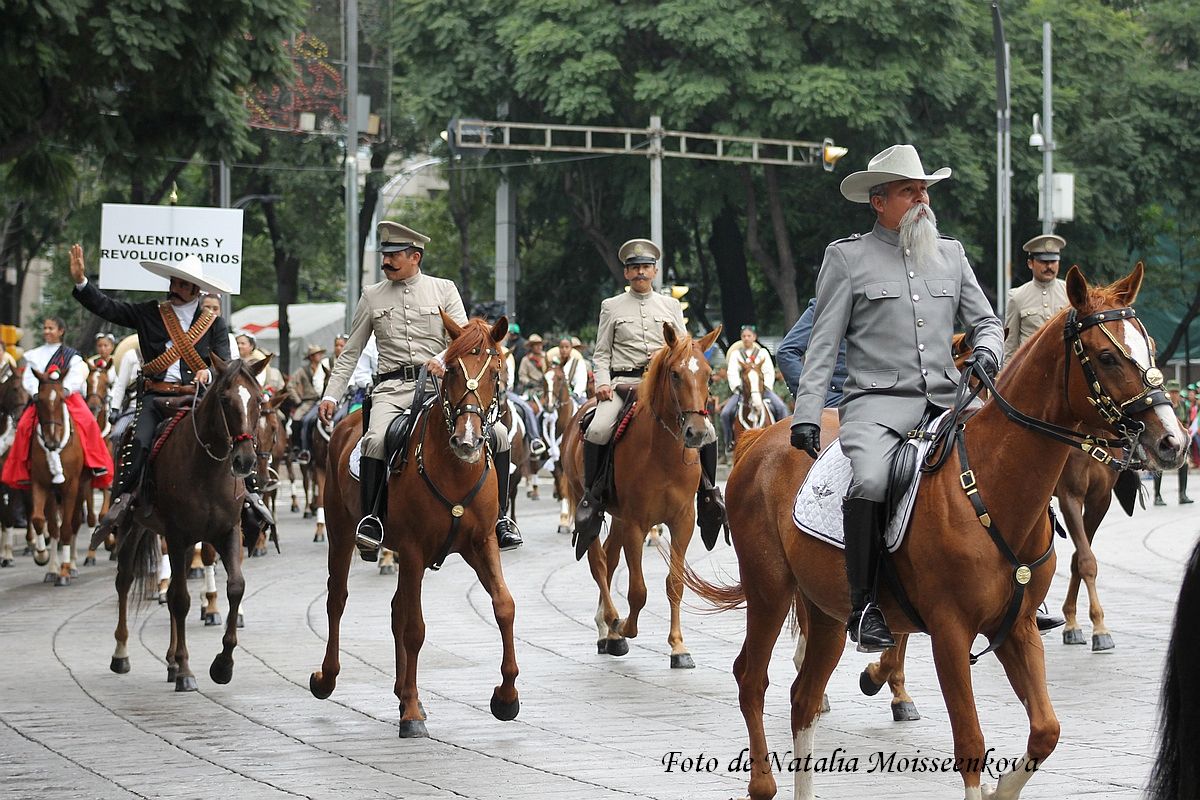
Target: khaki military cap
{"points": [[1045, 247], [639, 251], [394, 237]]}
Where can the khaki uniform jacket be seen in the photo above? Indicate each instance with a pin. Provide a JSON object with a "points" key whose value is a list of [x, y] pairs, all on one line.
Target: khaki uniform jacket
{"points": [[303, 389], [631, 329], [897, 320], [531, 375], [403, 315], [1029, 307]]}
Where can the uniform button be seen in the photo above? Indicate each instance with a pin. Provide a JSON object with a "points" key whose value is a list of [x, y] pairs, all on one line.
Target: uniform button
{"points": [[924, 371], [912, 274], [945, 291], [929, 395], [883, 292], [873, 384], [921, 347], [406, 291], [1043, 292], [1045, 305], [920, 323], [916, 297], [907, 252]]}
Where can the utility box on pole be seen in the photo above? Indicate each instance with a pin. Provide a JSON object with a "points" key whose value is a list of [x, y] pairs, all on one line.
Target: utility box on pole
{"points": [[1063, 204]]}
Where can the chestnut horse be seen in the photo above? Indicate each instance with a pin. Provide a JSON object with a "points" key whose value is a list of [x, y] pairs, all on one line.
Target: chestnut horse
{"points": [[442, 501], [981, 583], [317, 471], [753, 411], [13, 400], [657, 473], [196, 486], [561, 404], [56, 511]]}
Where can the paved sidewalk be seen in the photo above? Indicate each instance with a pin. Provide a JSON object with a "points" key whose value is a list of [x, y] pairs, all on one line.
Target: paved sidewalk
{"points": [[590, 726]]}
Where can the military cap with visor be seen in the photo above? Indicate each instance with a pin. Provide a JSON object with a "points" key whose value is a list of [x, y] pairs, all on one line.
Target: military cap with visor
{"points": [[639, 251], [1046, 247], [396, 238]]}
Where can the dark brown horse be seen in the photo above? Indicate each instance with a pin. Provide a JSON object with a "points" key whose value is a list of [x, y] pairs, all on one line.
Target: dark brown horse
{"points": [[442, 501], [196, 487], [975, 586], [318, 469], [657, 473], [57, 479]]}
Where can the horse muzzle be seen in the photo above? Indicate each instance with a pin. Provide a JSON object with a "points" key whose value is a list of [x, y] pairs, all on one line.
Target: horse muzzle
{"points": [[244, 460], [1166, 449], [697, 431]]}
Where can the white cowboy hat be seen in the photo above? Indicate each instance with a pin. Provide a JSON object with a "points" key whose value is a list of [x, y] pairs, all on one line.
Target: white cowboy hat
{"points": [[190, 270], [899, 162]]}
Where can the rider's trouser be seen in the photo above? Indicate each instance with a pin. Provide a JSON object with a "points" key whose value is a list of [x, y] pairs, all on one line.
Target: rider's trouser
{"points": [[605, 421]]}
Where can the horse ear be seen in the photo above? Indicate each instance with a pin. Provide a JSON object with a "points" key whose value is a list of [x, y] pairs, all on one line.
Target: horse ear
{"points": [[453, 328], [1077, 288], [258, 366], [1127, 288], [669, 335], [41, 376], [218, 364], [709, 338], [500, 329], [275, 402]]}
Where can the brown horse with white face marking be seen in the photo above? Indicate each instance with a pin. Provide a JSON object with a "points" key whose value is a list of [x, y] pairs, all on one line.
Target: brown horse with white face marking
{"points": [[196, 484], [960, 579], [442, 501], [657, 473]]}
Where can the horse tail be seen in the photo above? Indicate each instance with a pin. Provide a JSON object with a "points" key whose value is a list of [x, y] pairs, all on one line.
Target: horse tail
{"points": [[138, 551], [721, 596], [1176, 775], [746, 441]]}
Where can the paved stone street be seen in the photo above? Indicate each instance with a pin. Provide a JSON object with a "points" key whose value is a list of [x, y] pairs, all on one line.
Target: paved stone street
{"points": [[590, 726]]}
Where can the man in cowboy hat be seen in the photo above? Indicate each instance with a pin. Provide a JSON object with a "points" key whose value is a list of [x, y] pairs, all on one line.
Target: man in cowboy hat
{"points": [[747, 350], [621, 353], [894, 295], [1183, 414], [531, 372], [1030, 305], [173, 364], [55, 359], [402, 312], [306, 388]]}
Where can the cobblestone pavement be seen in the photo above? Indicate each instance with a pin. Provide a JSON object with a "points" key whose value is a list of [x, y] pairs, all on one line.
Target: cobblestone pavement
{"points": [[590, 726]]}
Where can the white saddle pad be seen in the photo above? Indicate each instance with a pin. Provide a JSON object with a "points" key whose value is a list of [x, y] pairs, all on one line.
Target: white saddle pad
{"points": [[818, 508], [355, 458]]}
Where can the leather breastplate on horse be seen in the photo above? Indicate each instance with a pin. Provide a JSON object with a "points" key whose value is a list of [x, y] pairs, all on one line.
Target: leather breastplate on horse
{"points": [[183, 343]]}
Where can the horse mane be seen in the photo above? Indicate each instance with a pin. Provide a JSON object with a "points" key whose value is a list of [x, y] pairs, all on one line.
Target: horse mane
{"points": [[653, 387], [1175, 774], [1098, 297], [474, 334]]}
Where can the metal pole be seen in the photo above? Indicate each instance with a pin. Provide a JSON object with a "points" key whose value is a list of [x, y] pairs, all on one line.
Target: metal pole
{"points": [[353, 269], [656, 218], [1001, 174], [225, 195], [1008, 174], [1048, 134], [506, 246]]}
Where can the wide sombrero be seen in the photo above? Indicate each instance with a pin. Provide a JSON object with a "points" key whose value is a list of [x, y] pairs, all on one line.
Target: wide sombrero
{"points": [[899, 162], [190, 269]]}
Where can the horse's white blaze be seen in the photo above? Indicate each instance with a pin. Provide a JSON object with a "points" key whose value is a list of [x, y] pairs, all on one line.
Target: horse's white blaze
{"points": [[1139, 349], [469, 434], [693, 365], [802, 747], [244, 393], [53, 395]]}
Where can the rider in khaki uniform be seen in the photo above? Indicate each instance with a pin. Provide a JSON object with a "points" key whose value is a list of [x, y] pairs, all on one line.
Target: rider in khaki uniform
{"points": [[402, 312], [1030, 305], [629, 333]]}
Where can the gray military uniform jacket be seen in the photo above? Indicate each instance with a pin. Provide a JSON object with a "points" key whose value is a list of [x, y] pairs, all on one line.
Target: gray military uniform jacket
{"points": [[1029, 308], [897, 319], [404, 317], [631, 330]]}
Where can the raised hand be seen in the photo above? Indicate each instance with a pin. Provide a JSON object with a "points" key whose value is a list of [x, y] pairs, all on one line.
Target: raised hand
{"points": [[77, 274]]}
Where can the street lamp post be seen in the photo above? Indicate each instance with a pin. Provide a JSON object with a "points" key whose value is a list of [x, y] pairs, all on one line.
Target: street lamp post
{"points": [[1043, 134]]}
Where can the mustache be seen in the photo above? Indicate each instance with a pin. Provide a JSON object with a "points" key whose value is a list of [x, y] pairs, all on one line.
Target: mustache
{"points": [[177, 296]]}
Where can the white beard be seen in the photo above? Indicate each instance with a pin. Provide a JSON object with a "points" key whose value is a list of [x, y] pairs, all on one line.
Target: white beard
{"points": [[919, 233]]}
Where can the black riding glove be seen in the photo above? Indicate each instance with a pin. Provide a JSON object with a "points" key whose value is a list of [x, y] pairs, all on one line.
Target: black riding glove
{"points": [[984, 359], [807, 437]]}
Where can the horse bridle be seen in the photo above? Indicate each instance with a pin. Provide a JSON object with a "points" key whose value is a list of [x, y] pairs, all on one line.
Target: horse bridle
{"points": [[201, 391], [683, 412], [487, 416]]}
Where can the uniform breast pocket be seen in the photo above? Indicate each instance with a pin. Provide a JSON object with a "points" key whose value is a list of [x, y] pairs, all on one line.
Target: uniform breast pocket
{"points": [[882, 290], [429, 321], [659, 322], [876, 379], [627, 330], [940, 287], [383, 322]]}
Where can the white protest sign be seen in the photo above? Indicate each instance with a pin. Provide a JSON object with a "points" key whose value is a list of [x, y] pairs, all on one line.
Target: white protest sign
{"points": [[130, 234]]}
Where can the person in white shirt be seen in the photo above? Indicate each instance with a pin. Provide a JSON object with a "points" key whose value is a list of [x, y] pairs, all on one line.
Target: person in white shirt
{"points": [[747, 349]]}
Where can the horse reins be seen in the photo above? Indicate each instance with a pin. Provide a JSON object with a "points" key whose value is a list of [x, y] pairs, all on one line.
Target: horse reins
{"points": [[201, 391], [683, 412]]}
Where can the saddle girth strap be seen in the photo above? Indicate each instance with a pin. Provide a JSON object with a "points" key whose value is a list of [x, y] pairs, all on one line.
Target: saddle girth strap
{"points": [[1022, 573], [183, 343]]}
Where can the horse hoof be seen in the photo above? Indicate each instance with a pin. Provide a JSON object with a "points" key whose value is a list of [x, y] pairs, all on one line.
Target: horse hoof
{"points": [[1073, 636], [867, 686], [314, 686], [212, 619], [262, 551], [387, 569], [90, 561], [62, 580], [682, 661], [41, 558], [905, 711], [74, 572], [564, 529], [221, 670], [119, 665], [307, 514], [295, 506], [112, 555], [50, 577], [172, 673], [241, 623], [318, 537], [195, 572], [505, 711], [601, 647], [6, 562], [824, 704], [1102, 642], [413, 729], [618, 647], [186, 683]]}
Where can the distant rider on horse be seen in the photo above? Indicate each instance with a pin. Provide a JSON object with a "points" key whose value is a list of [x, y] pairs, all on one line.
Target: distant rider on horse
{"points": [[748, 350]]}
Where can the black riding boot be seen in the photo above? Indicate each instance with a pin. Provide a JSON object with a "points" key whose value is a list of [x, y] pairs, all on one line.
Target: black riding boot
{"points": [[122, 493], [507, 532], [862, 522], [1183, 498], [372, 482], [590, 513], [1158, 499], [254, 500], [710, 506]]}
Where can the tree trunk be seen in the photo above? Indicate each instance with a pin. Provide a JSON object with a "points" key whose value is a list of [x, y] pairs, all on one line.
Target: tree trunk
{"points": [[287, 274], [780, 273], [586, 204], [1193, 309], [703, 282], [461, 202], [729, 255]]}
